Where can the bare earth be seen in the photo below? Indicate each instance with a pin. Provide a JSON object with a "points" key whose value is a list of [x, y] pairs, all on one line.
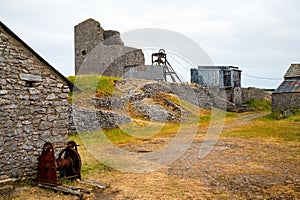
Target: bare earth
{"points": [[234, 169]]}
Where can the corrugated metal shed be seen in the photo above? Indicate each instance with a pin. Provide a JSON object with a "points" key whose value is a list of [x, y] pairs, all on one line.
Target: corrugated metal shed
{"points": [[288, 86], [293, 71]]}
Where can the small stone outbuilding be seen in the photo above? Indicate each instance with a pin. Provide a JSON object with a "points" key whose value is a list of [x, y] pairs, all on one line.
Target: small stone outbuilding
{"points": [[34, 105], [286, 98]]}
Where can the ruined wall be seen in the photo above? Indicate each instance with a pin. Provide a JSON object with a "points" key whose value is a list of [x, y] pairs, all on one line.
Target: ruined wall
{"points": [[234, 95], [287, 103], [88, 35], [131, 57], [112, 37], [111, 60], [99, 51], [33, 107]]}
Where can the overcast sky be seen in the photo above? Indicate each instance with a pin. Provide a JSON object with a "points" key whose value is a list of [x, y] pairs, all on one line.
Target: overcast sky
{"points": [[262, 37]]}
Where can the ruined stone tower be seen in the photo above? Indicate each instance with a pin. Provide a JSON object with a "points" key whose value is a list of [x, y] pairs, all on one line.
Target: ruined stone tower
{"points": [[88, 35], [99, 51]]}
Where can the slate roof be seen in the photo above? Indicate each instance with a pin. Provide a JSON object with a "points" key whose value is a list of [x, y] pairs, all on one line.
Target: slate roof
{"points": [[293, 71]]}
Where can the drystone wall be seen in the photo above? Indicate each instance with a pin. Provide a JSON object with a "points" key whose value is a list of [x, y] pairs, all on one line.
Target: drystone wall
{"points": [[33, 108], [253, 93]]}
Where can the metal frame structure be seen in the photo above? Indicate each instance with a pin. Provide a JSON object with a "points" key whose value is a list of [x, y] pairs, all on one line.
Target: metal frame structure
{"points": [[160, 59]]}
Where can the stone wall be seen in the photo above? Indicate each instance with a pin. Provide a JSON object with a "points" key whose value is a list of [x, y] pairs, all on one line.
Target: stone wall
{"points": [[234, 95], [286, 103], [253, 93], [33, 107]]}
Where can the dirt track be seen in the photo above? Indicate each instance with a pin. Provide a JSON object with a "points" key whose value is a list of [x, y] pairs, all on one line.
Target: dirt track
{"points": [[235, 169]]}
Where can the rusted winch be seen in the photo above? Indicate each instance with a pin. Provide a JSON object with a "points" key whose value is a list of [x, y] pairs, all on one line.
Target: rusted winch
{"points": [[68, 164]]}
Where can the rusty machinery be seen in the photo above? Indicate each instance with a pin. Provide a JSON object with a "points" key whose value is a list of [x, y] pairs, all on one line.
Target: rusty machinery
{"points": [[68, 164]]}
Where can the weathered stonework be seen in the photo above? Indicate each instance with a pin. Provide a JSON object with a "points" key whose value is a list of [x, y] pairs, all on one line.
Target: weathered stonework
{"points": [[286, 103], [110, 60], [253, 93], [148, 100], [86, 120], [112, 37], [99, 51], [33, 106], [88, 35], [286, 98]]}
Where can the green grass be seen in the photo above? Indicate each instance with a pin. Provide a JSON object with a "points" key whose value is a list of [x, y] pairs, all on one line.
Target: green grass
{"points": [[266, 127], [231, 114], [276, 115], [259, 105], [131, 133], [89, 164], [287, 129], [102, 86]]}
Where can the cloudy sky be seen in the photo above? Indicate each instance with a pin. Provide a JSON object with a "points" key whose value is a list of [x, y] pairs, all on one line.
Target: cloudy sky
{"points": [[260, 37]]}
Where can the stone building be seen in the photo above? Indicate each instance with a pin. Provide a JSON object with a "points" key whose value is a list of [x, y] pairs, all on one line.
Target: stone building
{"points": [[286, 98], [99, 51], [34, 105]]}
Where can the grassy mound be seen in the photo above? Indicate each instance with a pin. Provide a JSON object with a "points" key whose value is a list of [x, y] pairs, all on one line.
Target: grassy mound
{"points": [[102, 86]]}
